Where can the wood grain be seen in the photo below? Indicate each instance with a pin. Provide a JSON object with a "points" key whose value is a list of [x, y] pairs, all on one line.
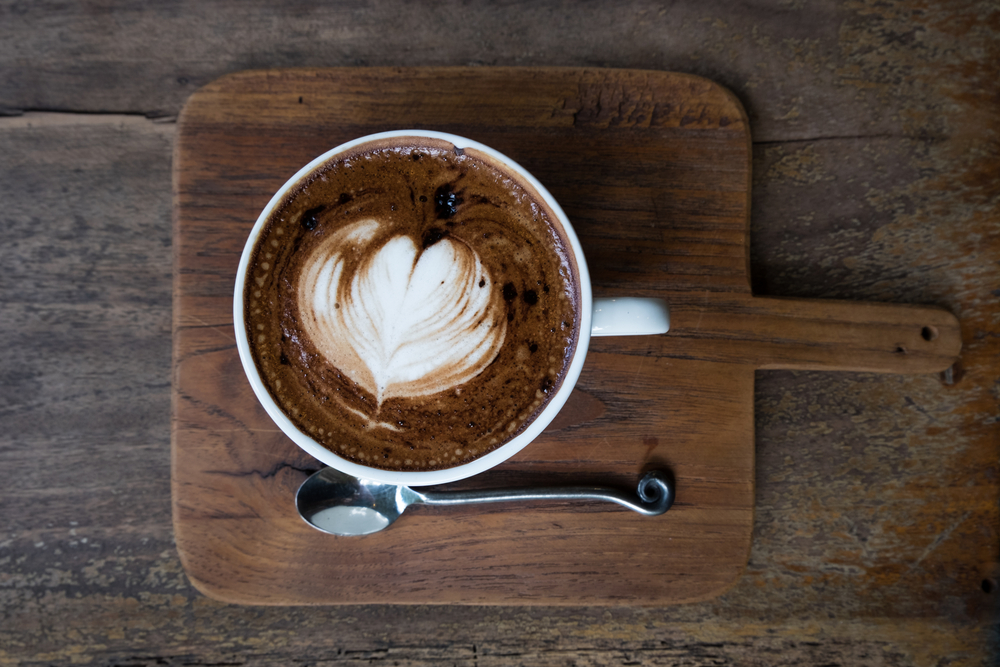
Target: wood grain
{"points": [[654, 171], [875, 154]]}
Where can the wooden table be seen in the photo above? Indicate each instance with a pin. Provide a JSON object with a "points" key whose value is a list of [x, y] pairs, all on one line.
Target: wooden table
{"points": [[875, 162]]}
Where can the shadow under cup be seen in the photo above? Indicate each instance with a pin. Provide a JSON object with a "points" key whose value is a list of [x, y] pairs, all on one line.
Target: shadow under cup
{"points": [[611, 313]]}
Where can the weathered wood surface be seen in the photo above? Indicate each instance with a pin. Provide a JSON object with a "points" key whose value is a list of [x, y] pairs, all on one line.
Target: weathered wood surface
{"points": [[875, 173]]}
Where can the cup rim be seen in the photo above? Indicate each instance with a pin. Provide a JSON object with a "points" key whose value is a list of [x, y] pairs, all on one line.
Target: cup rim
{"points": [[416, 477]]}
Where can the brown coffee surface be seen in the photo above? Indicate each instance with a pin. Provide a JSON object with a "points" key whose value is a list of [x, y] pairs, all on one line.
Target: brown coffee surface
{"points": [[411, 306]]}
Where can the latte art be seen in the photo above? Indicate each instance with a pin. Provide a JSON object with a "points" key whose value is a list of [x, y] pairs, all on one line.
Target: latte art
{"points": [[405, 321], [411, 306]]}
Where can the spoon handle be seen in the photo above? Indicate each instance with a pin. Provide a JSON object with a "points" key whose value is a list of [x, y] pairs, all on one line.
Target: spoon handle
{"points": [[654, 495]]}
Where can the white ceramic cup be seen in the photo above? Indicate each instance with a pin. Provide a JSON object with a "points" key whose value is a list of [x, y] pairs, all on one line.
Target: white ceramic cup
{"points": [[598, 317]]}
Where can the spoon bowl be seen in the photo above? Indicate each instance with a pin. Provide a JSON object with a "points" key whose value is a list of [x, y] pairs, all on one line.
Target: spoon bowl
{"points": [[340, 504]]}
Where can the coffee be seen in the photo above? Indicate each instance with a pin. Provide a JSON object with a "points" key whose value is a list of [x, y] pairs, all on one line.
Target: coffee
{"points": [[411, 305]]}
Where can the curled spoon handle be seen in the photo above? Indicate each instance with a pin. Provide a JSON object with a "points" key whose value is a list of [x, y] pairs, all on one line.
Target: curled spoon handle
{"points": [[654, 495]]}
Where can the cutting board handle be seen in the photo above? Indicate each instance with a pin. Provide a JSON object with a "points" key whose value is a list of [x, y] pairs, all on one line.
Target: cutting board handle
{"points": [[805, 334]]}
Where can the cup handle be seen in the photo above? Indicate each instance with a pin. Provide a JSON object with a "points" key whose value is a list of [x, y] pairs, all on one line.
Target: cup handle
{"points": [[630, 316]]}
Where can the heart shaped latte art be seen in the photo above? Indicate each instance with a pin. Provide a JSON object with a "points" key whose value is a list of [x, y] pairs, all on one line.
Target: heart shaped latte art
{"points": [[399, 320]]}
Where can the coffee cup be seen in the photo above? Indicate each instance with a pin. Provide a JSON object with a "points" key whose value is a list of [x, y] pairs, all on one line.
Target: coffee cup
{"points": [[414, 307]]}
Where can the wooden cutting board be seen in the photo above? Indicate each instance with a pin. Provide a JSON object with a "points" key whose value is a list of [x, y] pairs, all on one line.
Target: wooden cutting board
{"points": [[653, 169]]}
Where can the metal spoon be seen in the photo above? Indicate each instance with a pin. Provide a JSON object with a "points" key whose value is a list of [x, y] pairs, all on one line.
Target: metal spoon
{"points": [[339, 504]]}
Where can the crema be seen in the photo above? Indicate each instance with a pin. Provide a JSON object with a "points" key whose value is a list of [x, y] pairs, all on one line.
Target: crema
{"points": [[412, 306]]}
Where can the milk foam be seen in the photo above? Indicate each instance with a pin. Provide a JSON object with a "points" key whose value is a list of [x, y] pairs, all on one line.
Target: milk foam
{"points": [[370, 328], [399, 320]]}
